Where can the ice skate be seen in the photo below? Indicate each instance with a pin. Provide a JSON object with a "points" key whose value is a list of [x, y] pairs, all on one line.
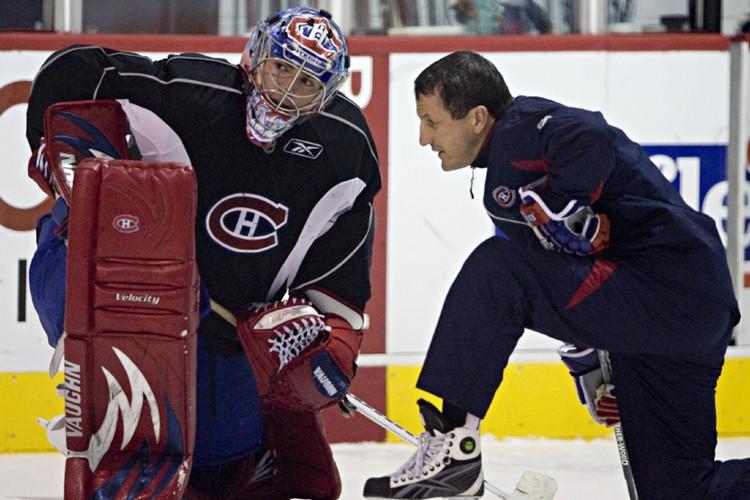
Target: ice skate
{"points": [[447, 464]]}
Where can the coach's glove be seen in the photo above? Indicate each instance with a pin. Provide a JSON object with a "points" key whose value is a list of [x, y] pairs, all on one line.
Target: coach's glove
{"points": [[301, 359], [598, 397], [575, 229]]}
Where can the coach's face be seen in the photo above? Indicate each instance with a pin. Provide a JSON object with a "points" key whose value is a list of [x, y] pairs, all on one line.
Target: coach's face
{"points": [[457, 141]]}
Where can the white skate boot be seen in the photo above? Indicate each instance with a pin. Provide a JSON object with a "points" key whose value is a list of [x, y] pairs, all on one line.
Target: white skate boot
{"points": [[448, 463]]}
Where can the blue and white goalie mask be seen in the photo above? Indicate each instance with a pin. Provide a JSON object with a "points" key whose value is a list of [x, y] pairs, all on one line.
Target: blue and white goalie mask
{"points": [[295, 63]]}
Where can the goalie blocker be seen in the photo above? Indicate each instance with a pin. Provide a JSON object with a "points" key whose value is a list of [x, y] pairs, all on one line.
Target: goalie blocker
{"points": [[130, 319], [76, 130]]}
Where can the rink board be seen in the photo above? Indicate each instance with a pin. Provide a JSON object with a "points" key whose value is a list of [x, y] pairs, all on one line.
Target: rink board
{"points": [[668, 92], [539, 399], [535, 399]]}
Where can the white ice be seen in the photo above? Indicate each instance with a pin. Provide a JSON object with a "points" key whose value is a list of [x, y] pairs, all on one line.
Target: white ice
{"points": [[583, 469]]}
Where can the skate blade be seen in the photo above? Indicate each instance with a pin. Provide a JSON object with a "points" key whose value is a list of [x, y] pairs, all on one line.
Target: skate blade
{"points": [[534, 486]]}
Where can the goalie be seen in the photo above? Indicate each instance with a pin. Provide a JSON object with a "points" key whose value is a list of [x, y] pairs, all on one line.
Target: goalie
{"points": [[286, 173]]}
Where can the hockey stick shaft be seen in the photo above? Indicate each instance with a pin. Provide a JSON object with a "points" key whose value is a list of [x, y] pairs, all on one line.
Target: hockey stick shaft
{"points": [[386, 423], [627, 470]]}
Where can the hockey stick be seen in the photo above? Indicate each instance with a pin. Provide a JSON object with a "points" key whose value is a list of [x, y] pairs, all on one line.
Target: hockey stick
{"points": [[531, 486], [627, 470]]}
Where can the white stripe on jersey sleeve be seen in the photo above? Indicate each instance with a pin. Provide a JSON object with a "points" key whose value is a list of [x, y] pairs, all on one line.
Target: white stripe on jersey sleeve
{"points": [[156, 140], [324, 214]]}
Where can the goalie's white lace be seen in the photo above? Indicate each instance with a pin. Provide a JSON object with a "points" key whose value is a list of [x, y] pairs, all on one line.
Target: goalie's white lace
{"points": [[430, 452], [290, 341]]}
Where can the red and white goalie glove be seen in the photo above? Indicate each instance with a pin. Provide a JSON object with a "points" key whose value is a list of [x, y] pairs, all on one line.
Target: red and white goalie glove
{"points": [[598, 397], [301, 359]]}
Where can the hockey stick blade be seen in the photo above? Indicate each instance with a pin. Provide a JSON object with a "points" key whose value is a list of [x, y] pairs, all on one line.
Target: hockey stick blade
{"points": [[531, 486]]}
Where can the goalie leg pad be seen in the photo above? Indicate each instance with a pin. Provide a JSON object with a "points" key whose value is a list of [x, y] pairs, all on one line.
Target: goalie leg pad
{"points": [[303, 464], [131, 314]]}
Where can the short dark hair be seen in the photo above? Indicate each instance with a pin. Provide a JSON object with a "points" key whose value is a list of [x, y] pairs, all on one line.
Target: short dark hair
{"points": [[464, 80]]}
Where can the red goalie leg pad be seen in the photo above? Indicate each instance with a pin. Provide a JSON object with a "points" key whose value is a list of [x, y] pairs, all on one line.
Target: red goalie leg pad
{"points": [[302, 460], [131, 314]]}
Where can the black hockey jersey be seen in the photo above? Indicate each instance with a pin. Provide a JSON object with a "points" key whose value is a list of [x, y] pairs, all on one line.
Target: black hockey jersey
{"points": [[297, 217]]}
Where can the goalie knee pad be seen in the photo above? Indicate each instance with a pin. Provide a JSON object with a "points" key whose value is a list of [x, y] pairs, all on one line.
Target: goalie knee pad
{"points": [[130, 319]]}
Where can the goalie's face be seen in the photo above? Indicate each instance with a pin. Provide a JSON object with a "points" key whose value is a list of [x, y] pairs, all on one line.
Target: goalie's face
{"points": [[287, 87], [295, 62]]}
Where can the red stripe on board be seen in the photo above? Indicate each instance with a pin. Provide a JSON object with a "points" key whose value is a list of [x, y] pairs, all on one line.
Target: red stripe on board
{"points": [[24, 40]]}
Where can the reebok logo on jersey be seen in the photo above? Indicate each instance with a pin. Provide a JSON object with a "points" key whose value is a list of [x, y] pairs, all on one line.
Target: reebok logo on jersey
{"points": [[302, 148]]}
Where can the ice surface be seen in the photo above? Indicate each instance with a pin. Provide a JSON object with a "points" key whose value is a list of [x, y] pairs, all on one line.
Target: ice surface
{"points": [[583, 469]]}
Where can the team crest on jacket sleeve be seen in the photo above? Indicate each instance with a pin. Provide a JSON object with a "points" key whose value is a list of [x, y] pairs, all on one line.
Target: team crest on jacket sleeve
{"points": [[246, 223], [504, 196]]}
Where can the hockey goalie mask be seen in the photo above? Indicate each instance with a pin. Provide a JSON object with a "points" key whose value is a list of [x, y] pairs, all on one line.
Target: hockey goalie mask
{"points": [[295, 63]]}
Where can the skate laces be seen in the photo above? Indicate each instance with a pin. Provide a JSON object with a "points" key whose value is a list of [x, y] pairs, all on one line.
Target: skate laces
{"points": [[291, 340], [428, 455]]}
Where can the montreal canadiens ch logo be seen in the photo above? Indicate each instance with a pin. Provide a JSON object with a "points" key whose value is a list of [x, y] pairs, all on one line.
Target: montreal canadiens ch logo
{"points": [[504, 196], [126, 224], [246, 223], [315, 34]]}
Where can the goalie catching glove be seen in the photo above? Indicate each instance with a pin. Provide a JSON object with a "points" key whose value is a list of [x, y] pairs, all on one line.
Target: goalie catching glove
{"points": [[575, 229], [302, 359], [598, 397]]}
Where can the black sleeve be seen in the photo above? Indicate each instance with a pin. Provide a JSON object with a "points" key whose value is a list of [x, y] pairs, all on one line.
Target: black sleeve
{"points": [[580, 148], [87, 72], [339, 261]]}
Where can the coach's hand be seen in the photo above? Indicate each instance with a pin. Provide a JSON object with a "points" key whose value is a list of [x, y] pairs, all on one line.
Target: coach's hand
{"points": [[598, 397], [575, 229]]}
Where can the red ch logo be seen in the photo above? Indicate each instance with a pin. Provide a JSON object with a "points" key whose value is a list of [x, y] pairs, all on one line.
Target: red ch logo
{"points": [[126, 224], [246, 223]]}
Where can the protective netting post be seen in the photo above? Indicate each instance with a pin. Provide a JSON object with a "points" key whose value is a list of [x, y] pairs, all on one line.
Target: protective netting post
{"points": [[737, 152]]}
